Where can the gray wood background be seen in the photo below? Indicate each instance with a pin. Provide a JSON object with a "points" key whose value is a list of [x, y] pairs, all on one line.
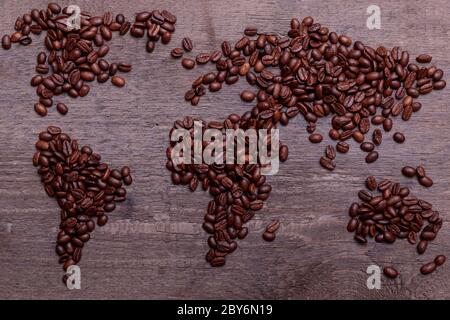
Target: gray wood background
{"points": [[154, 246]]}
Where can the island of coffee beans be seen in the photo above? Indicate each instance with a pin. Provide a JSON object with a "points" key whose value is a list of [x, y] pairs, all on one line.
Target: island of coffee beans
{"points": [[85, 188], [76, 57], [394, 214], [319, 74]]}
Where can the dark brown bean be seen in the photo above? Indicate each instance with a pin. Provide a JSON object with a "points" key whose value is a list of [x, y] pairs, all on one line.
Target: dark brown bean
{"points": [[62, 108], [439, 260], [424, 58], [315, 138], [390, 272], [408, 171], [247, 96], [372, 157], [268, 236], [6, 42], [187, 44], [118, 81], [377, 137], [426, 181], [342, 147], [367, 146], [428, 268], [327, 163], [284, 153], [40, 109], [371, 183], [420, 171], [177, 52], [422, 246], [399, 137], [251, 31], [202, 58], [330, 152], [188, 63]]}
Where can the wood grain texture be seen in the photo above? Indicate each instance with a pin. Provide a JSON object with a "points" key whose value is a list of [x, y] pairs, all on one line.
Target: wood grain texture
{"points": [[154, 246]]}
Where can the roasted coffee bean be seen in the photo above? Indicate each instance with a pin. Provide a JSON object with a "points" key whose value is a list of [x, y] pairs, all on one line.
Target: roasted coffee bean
{"points": [[187, 44], [420, 171], [342, 147], [372, 157], [215, 86], [439, 260], [268, 236], [118, 81], [360, 239], [367, 146], [247, 96], [353, 210], [330, 152], [412, 237], [352, 225], [358, 136], [399, 137], [102, 220], [177, 52], [250, 31], [371, 183], [124, 67], [408, 171], [215, 56], [273, 226], [40, 109], [62, 108], [377, 137], [202, 58], [217, 261], [6, 42], [42, 69], [428, 268], [327, 163], [384, 185], [428, 235], [424, 58], [188, 63], [387, 124], [390, 272], [284, 153], [389, 237], [439, 85], [422, 246], [315, 138], [426, 181]]}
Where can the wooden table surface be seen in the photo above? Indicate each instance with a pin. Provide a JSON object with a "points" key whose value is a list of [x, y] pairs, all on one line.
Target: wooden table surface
{"points": [[154, 246]]}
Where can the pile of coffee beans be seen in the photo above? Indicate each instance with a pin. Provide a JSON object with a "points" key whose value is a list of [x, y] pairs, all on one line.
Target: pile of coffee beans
{"points": [[239, 190], [322, 73], [393, 214], [76, 56], [156, 25], [418, 172], [85, 188]]}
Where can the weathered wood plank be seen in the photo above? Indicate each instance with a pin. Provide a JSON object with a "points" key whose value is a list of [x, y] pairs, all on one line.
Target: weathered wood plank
{"points": [[153, 246]]}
